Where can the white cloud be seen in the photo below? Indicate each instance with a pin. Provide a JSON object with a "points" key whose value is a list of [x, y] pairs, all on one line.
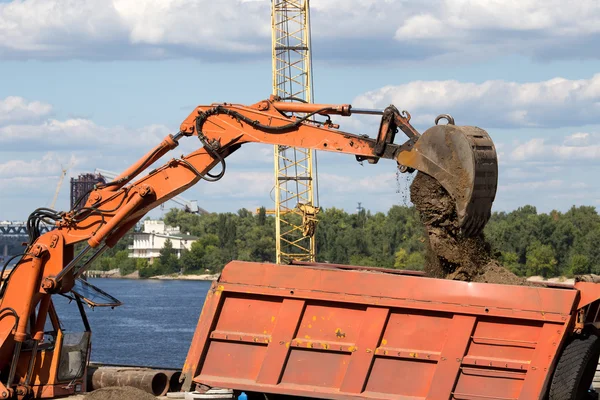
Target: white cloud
{"points": [[130, 28], [79, 134], [383, 29], [26, 126], [543, 28], [578, 139], [16, 109], [571, 150], [551, 103], [552, 172], [50, 164]]}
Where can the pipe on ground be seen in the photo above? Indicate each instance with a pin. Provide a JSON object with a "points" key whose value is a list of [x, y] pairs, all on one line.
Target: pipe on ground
{"points": [[174, 384], [151, 381]]}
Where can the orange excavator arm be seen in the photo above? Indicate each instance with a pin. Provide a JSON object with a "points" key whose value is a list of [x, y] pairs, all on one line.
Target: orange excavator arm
{"points": [[462, 159]]}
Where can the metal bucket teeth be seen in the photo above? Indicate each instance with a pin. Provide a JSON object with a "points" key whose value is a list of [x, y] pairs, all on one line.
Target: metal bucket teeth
{"points": [[463, 160]]}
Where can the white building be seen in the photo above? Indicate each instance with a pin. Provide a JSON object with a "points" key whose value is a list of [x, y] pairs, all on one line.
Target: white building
{"points": [[149, 242]]}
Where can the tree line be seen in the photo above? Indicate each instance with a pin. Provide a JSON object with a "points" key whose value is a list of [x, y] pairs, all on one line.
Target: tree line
{"points": [[523, 240]]}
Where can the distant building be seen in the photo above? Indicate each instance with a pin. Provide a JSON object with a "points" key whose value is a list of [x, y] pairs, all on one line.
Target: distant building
{"points": [[149, 242], [81, 188]]}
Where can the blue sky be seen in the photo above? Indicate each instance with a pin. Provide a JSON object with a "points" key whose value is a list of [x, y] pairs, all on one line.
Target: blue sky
{"points": [[96, 83]]}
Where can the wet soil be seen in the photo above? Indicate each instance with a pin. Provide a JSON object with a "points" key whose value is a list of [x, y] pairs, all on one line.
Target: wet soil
{"points": [[449, 254], [119, 393]]}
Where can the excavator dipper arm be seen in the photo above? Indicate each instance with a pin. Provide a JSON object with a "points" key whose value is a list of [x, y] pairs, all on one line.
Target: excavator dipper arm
{"points": [[462, 159]]}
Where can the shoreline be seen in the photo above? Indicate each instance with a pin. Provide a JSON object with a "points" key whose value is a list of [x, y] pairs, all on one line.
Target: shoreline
{"points": [[191, 277], [136, 276]]}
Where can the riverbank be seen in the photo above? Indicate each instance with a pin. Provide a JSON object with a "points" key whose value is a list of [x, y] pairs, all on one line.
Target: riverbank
{"points": [[116, 274], [190, 277]]}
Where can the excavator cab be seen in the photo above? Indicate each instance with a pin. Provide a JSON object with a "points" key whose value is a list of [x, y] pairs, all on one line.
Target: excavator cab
{"points": [[60, 363], [62, 354]]}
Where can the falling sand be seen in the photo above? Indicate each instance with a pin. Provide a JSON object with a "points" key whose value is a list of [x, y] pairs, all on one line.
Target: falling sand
{"points": [[450, 255]]}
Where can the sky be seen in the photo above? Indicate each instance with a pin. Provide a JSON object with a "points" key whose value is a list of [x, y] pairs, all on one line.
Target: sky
{"points": [[88, 84]]}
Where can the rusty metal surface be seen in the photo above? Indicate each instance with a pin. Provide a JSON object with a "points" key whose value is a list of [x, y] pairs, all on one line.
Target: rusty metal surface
{"points": [[172, 374], [337, 334], [148, 380]]}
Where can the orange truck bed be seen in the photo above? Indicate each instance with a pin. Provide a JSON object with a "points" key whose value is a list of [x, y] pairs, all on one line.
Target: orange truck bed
{"points": [[326, 332]]}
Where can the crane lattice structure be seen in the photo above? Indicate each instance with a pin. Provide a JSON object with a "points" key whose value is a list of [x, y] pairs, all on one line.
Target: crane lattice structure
{"points": [[295, 210], [63, 173]]}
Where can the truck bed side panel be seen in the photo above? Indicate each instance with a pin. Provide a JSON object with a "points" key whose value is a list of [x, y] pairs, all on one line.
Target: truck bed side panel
{"points": [[329, 333]]}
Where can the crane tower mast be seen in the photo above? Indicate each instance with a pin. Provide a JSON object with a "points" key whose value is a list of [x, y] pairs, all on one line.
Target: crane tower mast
{"points": [[295, 210]]}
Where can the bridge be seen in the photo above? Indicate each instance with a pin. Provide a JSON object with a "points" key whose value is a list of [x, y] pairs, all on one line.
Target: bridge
{"points": [[17, 228]]}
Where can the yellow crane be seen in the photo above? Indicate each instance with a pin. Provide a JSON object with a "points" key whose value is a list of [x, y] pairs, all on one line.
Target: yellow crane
{"points": [[295, 178], [63, 173]]}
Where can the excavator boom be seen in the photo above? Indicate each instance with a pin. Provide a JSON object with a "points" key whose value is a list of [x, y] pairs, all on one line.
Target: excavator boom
{"points": [[462, 159]]}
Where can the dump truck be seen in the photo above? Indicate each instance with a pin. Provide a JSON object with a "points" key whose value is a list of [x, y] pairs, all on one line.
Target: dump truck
{"points": [[311, 330], [340, 332]]}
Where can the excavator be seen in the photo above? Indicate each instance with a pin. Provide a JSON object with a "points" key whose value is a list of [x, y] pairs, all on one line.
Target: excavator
{"points": [[39, 360]]}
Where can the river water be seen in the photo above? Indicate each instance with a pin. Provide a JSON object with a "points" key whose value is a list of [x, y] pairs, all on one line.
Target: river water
{"points": [[153, 327]]}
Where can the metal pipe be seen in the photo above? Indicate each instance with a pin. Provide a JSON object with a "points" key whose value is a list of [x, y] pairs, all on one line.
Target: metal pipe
{"points": [[13, 365], [331, 109], [366, 111], [31, 363], [178, 136], [72, 264], [148, 380], [174, 384], [122, 213]]}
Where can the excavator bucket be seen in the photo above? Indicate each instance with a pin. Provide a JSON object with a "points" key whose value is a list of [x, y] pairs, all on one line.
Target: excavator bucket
{"points": [[463, 160]]}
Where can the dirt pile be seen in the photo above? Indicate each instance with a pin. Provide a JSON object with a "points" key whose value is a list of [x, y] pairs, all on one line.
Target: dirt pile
{"points": [[449, 254], [119, 393]]}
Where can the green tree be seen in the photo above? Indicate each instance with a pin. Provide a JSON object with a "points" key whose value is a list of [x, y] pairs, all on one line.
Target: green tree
{"points": [[510, 260], [523, 240], [262, 216], [167, 262], [579, 265], [400, 259], [415, 262], [125, 264], [540, 260]]}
